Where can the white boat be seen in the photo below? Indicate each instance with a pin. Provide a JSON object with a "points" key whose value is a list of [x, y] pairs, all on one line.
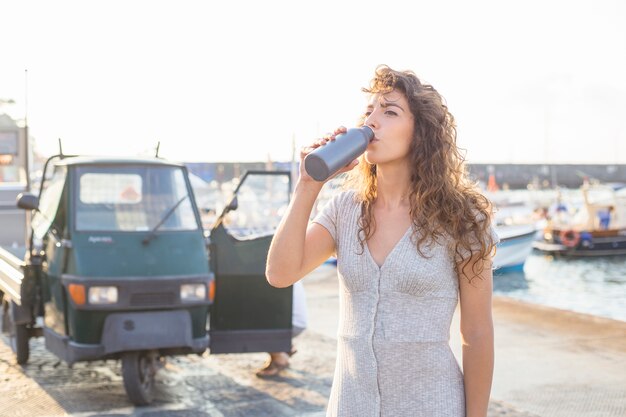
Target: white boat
{"points": [[517, 222], [516, 244]]}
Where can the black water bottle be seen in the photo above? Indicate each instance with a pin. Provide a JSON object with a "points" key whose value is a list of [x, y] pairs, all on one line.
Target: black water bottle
{"points": [[326, 160]]}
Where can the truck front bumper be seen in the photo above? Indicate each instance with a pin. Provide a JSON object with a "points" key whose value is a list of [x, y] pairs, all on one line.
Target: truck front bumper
{"points": [[167, 331]]}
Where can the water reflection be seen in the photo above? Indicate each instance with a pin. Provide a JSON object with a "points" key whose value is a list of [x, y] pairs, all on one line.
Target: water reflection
{"points": [[506, 282], [589, 285]]}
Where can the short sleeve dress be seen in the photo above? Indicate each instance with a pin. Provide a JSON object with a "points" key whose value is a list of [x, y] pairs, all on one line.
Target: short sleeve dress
{"points": [[393, 353]]}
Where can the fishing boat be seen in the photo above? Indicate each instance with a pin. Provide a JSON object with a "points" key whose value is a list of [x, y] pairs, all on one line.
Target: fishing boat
{"points": [[596, 228], [516, 244]]}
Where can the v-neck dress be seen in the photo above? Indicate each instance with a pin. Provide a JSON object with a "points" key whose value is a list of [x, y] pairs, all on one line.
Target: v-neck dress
{"points": [[393, 353]]}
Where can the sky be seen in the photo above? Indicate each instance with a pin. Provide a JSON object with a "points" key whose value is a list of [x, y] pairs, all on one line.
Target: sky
{"points": [[538, 81]]}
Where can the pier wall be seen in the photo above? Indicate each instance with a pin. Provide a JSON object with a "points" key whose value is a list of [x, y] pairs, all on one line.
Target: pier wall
{"points": [[513, 176]]}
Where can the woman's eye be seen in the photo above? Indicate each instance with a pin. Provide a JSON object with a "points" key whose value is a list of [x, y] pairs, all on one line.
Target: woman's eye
{"points": [[367, 113], [391, 113]]}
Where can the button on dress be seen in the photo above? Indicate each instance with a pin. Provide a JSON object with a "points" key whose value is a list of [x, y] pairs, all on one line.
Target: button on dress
{"points": [[393, 353]]}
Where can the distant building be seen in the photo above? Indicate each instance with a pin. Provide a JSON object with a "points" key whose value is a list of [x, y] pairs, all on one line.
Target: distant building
{"points": [[11, 151], [540, 176], [13, 221]]}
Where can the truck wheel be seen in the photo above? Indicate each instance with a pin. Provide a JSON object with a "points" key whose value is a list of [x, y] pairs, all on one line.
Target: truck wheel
{"points": [[139, 370]]}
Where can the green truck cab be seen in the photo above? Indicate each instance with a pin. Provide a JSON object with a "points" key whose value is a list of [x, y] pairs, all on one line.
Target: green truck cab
{"points": [[118, 266]]}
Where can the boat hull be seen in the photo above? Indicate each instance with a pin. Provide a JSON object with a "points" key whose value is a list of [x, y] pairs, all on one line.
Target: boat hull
{"points": [[612, 248], [603, 243], [512, 251]]}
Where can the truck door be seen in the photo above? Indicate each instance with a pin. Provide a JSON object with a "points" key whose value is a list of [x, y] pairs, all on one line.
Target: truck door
{"points": [[249, 315]]}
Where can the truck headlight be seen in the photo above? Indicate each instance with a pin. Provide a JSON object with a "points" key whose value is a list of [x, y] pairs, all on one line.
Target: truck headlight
{"points": [[102, 295], [193, 292]]}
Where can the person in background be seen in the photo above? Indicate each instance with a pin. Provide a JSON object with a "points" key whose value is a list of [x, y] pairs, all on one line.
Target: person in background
{"points": [[412, 237], [604, 217], [279, 361]]}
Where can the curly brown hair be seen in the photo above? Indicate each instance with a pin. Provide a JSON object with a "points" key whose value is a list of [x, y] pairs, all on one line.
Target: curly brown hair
{"points": [[444, 204]]}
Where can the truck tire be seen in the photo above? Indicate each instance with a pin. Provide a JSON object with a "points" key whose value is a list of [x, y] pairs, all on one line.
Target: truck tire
{"points": [[139, 370]]}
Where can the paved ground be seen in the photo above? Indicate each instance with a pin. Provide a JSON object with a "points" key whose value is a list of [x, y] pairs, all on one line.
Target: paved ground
{"points": [[211, 385], [549, 363]]}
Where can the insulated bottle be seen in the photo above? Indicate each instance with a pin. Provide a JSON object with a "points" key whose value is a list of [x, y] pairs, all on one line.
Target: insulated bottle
{"points": [[326, 160]]}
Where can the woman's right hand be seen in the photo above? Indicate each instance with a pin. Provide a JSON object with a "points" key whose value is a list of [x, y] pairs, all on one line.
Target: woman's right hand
{"points": [[304, 176]]}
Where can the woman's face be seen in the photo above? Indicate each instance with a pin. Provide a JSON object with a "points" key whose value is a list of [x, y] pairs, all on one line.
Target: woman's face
{"points": [[392, 121]]}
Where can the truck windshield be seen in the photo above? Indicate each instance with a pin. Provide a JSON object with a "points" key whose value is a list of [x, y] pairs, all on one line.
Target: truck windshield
{"points": [[132, 199]]}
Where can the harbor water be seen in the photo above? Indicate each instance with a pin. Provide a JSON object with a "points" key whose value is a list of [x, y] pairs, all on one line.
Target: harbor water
{"points": [[594, 286]]}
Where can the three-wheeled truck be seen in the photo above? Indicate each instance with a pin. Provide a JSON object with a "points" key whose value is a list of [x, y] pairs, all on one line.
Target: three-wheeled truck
{"points": [[118, 266]]}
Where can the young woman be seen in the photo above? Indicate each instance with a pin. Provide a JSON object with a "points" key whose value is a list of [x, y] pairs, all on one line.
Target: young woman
{"points": [[413, 238]]}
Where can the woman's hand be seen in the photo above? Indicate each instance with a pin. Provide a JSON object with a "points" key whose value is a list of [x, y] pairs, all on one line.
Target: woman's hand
{"points": [[299, 246], [304, 176]]}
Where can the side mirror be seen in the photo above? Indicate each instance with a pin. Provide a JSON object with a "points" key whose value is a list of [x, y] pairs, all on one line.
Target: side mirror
{"points": [[232, 206], [27, 201]]}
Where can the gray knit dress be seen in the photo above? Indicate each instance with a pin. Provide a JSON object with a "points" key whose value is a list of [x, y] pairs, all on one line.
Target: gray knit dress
{"points": [[393, 353]]}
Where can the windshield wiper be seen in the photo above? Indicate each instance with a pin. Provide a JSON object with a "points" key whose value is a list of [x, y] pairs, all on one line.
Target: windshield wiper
{"points": [[167, 215]]}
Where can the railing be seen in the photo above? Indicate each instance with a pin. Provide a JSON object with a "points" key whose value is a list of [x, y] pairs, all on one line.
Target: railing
{"points": [[11, 275]]}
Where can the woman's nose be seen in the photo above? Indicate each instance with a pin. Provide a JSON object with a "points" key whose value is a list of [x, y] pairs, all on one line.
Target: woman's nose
{"points": [[371, 121]]}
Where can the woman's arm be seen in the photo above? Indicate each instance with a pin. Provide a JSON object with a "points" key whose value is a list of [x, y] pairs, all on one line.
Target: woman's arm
{"points": [[297, 247], [476, 335]]}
